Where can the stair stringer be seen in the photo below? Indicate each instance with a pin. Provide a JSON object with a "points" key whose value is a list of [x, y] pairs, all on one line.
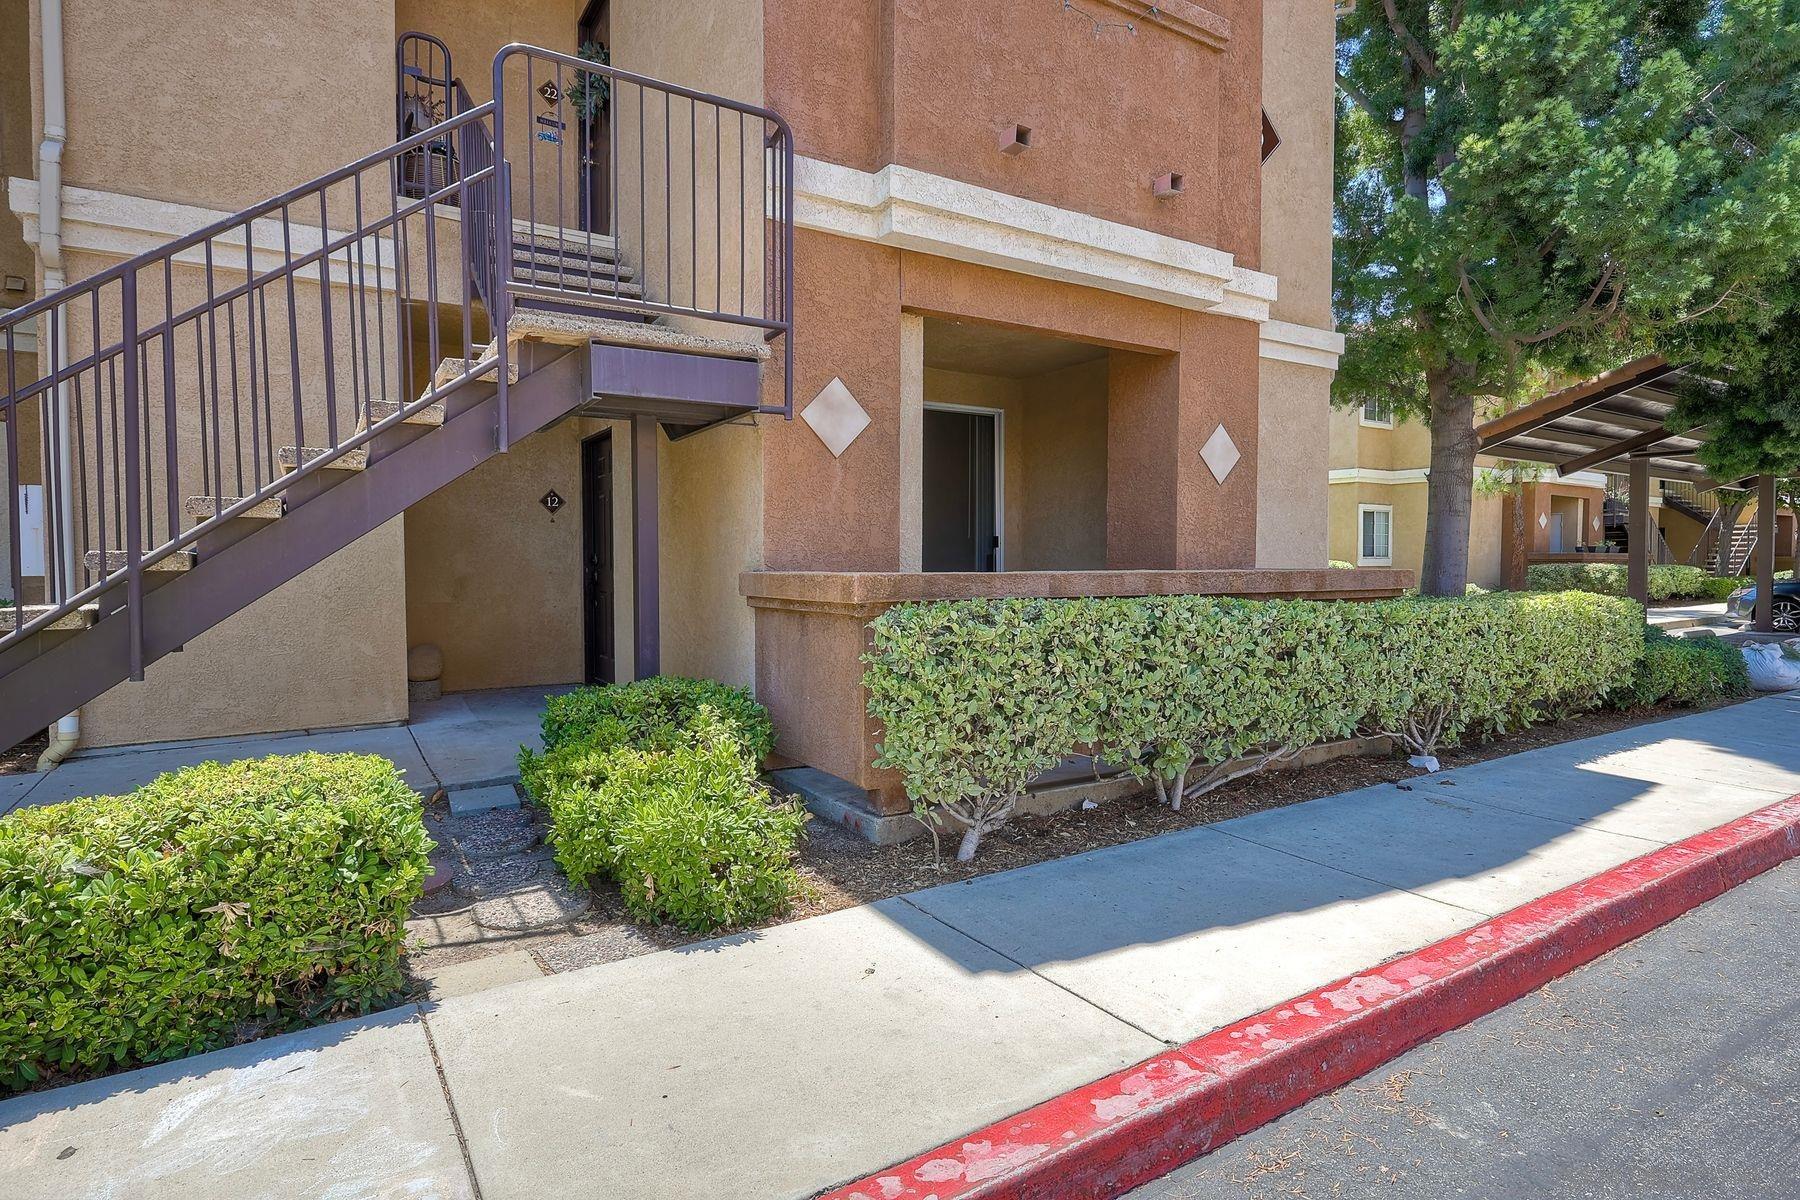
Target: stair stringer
{"points": [[72, 672]]}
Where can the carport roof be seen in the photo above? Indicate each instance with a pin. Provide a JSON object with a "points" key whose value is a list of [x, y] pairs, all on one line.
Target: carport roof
{"points": [[1602, 421]]}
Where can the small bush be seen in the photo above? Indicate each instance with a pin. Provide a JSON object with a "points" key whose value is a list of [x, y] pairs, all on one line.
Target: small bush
{"points": [[1667, 581], [214, 903], [652, 709], [978, 697], [1685, 671], [654, 785]]}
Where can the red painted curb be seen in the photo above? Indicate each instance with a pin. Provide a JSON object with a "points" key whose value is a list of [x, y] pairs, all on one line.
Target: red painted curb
{"points": [[1110, 1136]]}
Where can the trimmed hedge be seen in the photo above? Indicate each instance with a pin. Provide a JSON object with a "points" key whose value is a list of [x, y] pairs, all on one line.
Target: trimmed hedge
{"points": [[654, 785], [215, 903], [1686, 671], [1668, 581], [978, 697]]}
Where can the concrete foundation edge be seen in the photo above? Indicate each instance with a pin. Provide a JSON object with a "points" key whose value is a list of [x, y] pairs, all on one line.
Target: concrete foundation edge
{"points": [[1120, 1132], [841, 802]]}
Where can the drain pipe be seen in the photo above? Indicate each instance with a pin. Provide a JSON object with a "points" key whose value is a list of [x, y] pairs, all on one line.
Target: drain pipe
{"points": [[67, 730]]}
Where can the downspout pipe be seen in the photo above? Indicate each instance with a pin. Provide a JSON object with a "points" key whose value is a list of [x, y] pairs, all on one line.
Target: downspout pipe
{"points": [[67, 731]]}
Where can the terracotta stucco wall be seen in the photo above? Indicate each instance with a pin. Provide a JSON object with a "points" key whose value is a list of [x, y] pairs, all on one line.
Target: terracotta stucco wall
{"points": [[1065, 469], [929, 83]]}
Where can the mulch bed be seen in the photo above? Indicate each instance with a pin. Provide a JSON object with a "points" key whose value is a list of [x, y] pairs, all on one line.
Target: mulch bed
{"points": [[841, 870], [24, 756]]}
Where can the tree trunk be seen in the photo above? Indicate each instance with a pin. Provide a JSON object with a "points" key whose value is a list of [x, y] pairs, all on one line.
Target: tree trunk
{"points": [[1450, 488], [971, 838], [1516, 575]]}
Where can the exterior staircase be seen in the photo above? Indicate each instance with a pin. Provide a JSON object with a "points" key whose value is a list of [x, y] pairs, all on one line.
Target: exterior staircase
{"points": [[190, 470]]}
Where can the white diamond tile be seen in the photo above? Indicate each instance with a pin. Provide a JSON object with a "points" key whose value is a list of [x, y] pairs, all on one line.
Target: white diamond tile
{"points": [[836, 417], [1220, 454]]}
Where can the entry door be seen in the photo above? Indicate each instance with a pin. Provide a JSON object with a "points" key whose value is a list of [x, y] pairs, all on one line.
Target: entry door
{"points": [[962, 490], [1556, 533], [597, 556], [596, 149]]}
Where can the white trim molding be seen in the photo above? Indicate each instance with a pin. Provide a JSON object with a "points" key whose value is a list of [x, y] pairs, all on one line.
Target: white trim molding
{"points": [[915, 210], [1378, 476], [1308, 345], [121, 226], [24, 341]]}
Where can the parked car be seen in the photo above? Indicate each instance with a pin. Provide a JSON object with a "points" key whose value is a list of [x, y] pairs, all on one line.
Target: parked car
{"points": [[1740, 606]]}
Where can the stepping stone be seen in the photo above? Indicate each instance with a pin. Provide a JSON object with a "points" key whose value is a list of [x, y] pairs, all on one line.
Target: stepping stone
{"points": [[548, 904], [485, 878], [478, 799], [443, 869], [492, 833]]}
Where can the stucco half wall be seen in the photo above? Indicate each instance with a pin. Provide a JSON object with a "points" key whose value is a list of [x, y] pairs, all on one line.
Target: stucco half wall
{"points": [[812, 629]]}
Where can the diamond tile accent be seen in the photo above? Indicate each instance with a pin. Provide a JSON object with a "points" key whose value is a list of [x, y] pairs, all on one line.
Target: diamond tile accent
{"points": [[1220, 454], [836, 417], [1543, 521]]}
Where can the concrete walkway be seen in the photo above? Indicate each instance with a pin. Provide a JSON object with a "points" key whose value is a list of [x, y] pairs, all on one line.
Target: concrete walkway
{"points": [[777, 1063], [462, 741]]}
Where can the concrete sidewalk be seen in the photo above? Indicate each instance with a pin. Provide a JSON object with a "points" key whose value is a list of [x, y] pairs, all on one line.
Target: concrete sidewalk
{"points": [[778, 1063], [464, 740]]}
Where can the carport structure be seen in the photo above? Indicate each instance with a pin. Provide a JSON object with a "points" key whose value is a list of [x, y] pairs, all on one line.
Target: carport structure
{"points": [[1623, 414]]}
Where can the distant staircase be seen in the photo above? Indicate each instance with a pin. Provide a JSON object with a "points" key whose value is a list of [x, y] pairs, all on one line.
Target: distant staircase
{"points": [[195, 455]]}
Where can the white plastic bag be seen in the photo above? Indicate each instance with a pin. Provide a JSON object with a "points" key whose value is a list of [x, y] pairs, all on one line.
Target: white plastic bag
{"points": [[1770, 669]]}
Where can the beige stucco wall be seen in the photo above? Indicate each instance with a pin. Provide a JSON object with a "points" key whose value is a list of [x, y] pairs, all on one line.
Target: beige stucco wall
{"points": [[710, 530], [326, 649], [1294, 445], [495, 581], [1408, 501], [18, 151], [223, 107], [1298, 90]]}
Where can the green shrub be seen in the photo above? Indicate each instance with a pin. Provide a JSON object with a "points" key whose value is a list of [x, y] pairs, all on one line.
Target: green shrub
{"points": [[978, 697], [654, 785], [1685, 671], [213, 903], [1667, 581], [653, 709]]}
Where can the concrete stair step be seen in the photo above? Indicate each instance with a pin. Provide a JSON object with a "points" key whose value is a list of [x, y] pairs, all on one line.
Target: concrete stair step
{"points": [[12, 617], [572, 329], [450, 368], [204, 508], [600, 286], [552, 255], [293, 457], [381, 410], [181, 560], [597, 244]]}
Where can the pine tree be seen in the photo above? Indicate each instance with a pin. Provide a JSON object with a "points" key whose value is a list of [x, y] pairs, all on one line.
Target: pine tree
{"points": [[1550, 185]]}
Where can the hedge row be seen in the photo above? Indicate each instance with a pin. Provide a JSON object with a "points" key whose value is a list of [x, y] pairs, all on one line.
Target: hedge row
{"points": [[214, 903], [1686, 671], [654, 785], [977, 697], [1668, 581]]}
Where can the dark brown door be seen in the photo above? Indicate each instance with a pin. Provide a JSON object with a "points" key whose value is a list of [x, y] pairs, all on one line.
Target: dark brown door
{"points": [[961, 530], [596, 130], [597, 556]]}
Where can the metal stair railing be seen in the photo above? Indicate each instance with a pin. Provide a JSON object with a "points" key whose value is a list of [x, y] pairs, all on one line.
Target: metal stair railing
{"points": [[696, 190], [183, 371]]}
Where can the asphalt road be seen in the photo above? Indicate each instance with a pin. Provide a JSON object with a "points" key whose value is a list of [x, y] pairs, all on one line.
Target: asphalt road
{"points": [[1669, 1069]]}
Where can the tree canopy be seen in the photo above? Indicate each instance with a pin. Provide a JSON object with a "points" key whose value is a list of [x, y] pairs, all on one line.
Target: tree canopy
{"points": [[1550, 185]]}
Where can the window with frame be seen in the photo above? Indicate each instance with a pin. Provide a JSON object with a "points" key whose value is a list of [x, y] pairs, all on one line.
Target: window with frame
{"points": [[1377, 532], [1379, 413]]}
